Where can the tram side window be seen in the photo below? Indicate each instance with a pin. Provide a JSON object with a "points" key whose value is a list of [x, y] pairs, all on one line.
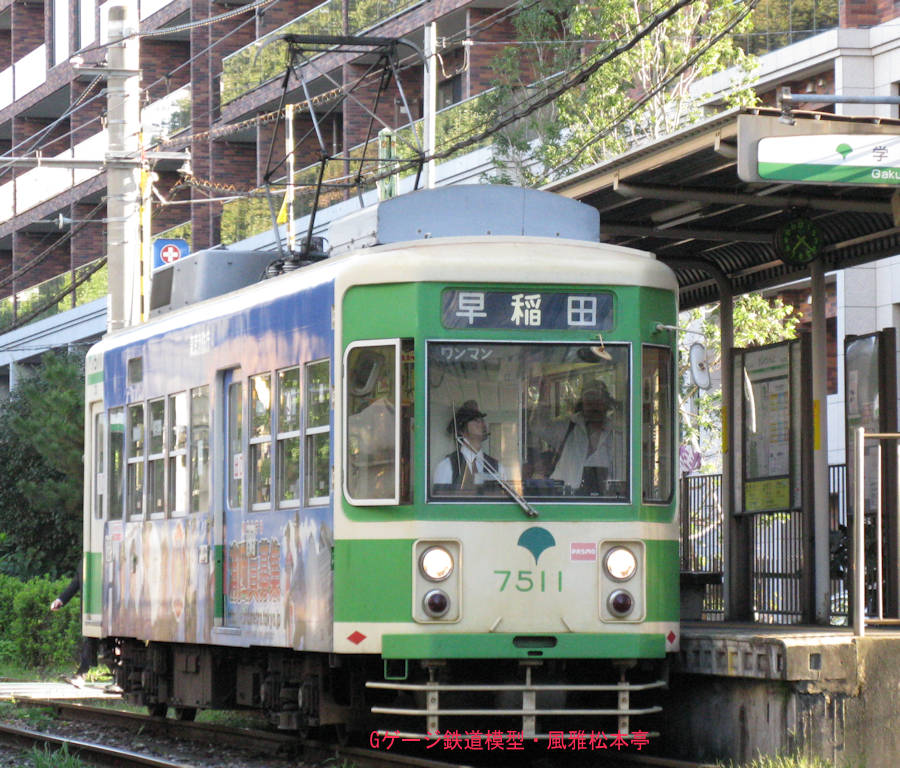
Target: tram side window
{"points": [[99, 463], [318, 433], [287, 459], [235, 444], [260, 458], [657, 424], [379, 422], [116, 476], [134, 498], [199, 449], [156, 461], [176, 446]]}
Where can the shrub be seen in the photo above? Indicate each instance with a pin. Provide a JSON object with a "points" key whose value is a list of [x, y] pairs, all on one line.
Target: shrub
{"points": [[45, 639], [9, 588]]}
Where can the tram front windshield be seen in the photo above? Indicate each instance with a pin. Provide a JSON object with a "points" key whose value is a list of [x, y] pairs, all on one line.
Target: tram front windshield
{"points": [[544, 420]]}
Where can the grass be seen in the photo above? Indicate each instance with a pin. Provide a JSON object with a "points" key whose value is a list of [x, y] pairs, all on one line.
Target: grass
{"points": [[60, 758], [37, 718], [782, 761]]}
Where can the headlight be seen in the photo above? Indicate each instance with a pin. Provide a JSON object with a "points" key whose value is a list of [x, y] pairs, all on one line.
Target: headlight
{"points": [[620, 563], [436, 603], [436, 563]]}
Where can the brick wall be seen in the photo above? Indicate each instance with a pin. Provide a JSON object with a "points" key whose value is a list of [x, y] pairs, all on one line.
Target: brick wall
{"points": [[53, 142], [163, 67], [5, 49], [27, 246], [85, 121], [356, 116], [867, 13], [166, 216], [279, 14], [483, 27], [27, 29], [89, 241]]}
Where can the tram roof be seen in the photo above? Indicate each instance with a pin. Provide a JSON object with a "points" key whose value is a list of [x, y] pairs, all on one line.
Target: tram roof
{"points": [[681, 198]]}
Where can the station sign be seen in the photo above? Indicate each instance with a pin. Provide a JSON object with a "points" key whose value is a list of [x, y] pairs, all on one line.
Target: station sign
{"points": [[831, 159], [832, 152], [168, 251]]}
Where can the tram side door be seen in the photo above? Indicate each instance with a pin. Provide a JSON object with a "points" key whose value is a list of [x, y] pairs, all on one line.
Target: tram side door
{"points": [[234, 554], [94, 519]]}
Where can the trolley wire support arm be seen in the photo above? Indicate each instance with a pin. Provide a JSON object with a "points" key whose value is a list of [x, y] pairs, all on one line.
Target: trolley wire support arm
{"points": [[386, 49]]}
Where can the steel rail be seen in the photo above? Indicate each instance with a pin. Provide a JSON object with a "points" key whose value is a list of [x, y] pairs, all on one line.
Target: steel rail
{"points": [[268, 742], [95, 754]]}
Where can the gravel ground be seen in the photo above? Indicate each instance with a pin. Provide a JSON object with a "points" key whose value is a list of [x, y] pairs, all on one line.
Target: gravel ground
{"points": [[190, 753]]}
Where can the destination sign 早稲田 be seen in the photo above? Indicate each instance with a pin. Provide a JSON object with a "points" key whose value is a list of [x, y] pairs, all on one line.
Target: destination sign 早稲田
{"points": [[527, 310]]}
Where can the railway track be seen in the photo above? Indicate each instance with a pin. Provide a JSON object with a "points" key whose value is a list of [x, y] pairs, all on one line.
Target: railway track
{"points": [[268, 742], [93, 754], [282, 745]]}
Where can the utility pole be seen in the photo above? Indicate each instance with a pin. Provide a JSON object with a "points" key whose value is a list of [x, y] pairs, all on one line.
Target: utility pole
{"points": [[123, 180], [128, 176], [430, 117]]}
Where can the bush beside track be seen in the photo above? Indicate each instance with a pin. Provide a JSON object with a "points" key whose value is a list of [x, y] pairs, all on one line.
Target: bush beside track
{"points": [[31, 637]]}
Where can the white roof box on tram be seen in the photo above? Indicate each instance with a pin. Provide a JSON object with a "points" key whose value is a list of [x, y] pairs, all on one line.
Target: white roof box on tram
{"points": [[465, 210], [204, 274]]}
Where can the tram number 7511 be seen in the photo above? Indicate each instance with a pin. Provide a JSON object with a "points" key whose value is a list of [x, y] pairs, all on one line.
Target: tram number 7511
{"points": [[526, 581]]}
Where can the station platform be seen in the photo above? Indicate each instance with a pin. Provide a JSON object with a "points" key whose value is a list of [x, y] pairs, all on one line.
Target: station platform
{"points": [[740, 690], [53, 690]]}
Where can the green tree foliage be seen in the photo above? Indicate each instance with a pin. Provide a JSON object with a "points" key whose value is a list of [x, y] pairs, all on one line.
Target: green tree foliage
{"points": [[639, 94], [41, 447], [757, 321]]}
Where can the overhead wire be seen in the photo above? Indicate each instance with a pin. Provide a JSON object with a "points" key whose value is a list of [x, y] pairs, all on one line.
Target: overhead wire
{"points": [[47, 252]]}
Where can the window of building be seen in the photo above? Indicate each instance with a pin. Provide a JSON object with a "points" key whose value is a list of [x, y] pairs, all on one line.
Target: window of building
{"points": [[449, 92]]}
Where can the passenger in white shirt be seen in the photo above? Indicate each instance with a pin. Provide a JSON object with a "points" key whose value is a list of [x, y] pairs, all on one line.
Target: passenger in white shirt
{"points": [[588, 456]]}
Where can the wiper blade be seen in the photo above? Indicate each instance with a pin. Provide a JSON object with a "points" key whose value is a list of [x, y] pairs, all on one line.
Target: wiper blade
{"points": [[495, 475]]}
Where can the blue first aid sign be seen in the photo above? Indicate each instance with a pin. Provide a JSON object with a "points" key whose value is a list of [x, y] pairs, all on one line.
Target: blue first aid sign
{"points": [[168, 251]]}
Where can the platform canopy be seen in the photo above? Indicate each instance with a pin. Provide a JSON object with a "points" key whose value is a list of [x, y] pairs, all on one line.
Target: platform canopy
{"points": [[714, 198]]}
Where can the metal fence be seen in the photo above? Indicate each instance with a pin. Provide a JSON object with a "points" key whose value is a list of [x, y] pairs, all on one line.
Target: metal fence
{"points": [[777, 561], [702, 549]]}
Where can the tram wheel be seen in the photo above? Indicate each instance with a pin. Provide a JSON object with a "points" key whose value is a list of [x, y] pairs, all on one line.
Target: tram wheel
{"points": [[185, 714], [158, 709]]}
